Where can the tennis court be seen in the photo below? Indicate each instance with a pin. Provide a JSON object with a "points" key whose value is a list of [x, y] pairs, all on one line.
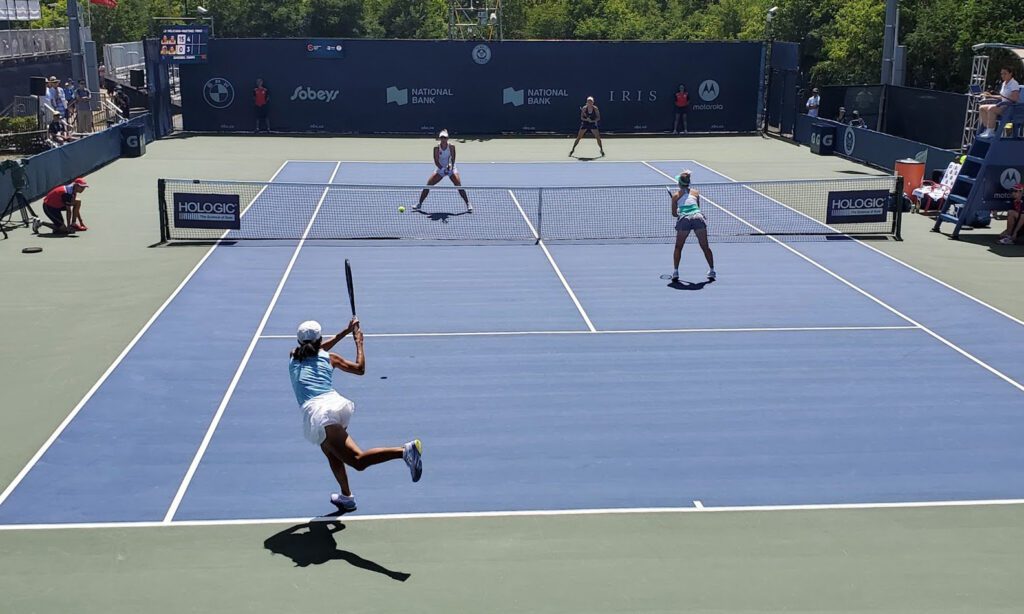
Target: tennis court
{"points": [[559, 377]]}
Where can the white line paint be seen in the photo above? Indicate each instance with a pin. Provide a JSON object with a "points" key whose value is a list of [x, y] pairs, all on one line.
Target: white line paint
{"points": [[873, 298], [515, 514], [889, 256], [784, 329], [697, 503], [551, 259], [117, 361], [245, 361]]}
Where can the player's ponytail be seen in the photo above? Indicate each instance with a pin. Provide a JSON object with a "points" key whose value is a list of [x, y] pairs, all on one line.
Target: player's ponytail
{"points": [[306, 349]]}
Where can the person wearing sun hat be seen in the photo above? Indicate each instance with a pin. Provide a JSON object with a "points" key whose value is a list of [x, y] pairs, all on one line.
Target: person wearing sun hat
{"points": [[1015, 217], [60, 201], [55, 96], [326, 415]]}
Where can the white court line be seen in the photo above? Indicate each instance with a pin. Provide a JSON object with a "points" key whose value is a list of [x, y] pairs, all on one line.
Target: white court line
{"points": [[697, 503], [117, 361], [540, 242], [783, 329], [878, 251], [245, 360], [514, 514], [880, 302]]}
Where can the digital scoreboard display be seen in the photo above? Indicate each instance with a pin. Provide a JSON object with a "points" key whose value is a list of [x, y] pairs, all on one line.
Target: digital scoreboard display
{"points": [[184, 44]]}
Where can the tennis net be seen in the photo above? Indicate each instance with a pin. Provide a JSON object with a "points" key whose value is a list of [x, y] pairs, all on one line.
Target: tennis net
{"points": [[204, 210]]}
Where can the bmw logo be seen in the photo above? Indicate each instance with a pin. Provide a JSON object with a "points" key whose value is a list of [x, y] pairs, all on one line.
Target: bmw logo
{"points": [[849, 141], [219, 93], [481, 54]]}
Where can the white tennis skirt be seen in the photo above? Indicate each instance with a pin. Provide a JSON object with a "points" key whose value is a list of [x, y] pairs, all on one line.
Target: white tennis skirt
{"points": [[324, 410]]}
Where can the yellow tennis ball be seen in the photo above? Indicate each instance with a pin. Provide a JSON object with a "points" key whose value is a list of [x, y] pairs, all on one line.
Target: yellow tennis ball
{"points": [[401, 209]]}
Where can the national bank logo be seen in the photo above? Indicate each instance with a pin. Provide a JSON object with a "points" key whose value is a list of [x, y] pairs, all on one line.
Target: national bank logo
{"points": [[402, 96], [219, 93], [538, 96]]}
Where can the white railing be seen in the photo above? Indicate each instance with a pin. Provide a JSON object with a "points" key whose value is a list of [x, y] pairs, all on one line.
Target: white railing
{"points": [[120, 58], [20, 43]]}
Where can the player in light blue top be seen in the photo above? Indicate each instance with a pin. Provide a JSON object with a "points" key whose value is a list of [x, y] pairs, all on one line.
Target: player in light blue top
{"points": [[326, 414], [686, 207]]}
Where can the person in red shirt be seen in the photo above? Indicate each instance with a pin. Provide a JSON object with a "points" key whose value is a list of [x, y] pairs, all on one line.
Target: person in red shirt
{"points": [[682, 106], [63, 199], [261, 96], [1015, 218]]}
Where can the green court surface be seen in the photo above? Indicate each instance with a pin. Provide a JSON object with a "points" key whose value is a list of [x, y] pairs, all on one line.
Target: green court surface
{"points": [[69, 311]]}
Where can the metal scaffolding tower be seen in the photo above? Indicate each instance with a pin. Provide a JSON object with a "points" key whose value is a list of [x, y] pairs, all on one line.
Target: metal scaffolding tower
{"points": [[979, 71], [474, 20]]}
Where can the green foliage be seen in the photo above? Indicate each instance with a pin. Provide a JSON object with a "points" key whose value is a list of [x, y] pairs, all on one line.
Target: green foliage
{"points": [[840, 40], [19, 134]]}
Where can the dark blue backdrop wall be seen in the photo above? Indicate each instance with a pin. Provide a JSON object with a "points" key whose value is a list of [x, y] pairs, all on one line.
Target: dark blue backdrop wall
{"points": [[15, 74], [377, 86]]}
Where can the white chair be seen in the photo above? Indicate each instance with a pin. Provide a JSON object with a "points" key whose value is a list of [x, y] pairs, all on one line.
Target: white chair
{"points": [[931, 195]]}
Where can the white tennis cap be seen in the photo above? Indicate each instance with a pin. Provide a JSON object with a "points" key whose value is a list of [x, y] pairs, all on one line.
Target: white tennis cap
{"points": [[308, 331], [443, 135]]}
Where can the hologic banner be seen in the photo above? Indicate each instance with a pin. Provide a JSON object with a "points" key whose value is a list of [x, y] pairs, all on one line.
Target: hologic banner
{"points": [[207, 211], [857, 207], [471, 87]]}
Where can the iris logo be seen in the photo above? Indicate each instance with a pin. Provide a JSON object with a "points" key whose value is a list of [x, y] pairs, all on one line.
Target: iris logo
{"points": [[512, 96], [708, 90], [849, 141], [481, 54], [398, 96], [1009, 178], [219, 93]]}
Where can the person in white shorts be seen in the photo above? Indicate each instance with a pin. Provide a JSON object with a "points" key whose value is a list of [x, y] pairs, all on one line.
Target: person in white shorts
{"points": [[686, 207], [444, 166], [993, 107], [326, 414]]}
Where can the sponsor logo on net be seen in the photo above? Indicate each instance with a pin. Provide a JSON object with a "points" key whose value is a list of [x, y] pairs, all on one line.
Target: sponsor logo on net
{"points": [[843, 207], [419, 95], [207, 211], [308, 94], [708, 91], [541, 96], [219, 93]]}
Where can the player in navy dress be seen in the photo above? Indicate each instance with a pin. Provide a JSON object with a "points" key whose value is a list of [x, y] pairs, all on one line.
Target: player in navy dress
{"points": [[590, 116]]}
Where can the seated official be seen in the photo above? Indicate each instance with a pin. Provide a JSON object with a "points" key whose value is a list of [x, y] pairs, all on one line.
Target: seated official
{"points": [[994, 105], [857, 121]]}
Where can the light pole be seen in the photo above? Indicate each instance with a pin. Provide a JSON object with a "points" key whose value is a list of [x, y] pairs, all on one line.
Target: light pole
{"points": [[769, 36]]}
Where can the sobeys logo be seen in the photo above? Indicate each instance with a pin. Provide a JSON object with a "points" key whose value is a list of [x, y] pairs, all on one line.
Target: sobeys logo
{"points": [[307, 93]]}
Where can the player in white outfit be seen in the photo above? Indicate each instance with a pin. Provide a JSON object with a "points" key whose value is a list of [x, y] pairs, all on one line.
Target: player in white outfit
{"points": [[326, 414], [444, 161]]}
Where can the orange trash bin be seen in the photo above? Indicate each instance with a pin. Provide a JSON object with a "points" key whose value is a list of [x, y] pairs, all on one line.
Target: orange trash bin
{"points": [[912, 172]]}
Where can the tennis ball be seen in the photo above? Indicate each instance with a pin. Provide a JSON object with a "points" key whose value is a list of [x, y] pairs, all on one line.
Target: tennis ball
{"points": [[401, 209]]}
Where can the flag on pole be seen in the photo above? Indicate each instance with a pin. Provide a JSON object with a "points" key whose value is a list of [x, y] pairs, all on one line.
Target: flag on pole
{"points": [[110, 4]]}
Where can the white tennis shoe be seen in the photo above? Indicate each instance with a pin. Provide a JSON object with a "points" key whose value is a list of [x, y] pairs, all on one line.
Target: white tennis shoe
{"points": [[412, 454], [711, 275], [343, 503]]}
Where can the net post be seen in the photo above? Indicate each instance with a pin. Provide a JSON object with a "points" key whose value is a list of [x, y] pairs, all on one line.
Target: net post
{"points": [[897, 221], [162, 204], [540, 209]]}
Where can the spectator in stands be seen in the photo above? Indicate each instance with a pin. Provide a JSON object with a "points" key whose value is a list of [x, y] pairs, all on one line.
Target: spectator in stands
{"points": [[842, 118], [58, 132], [55, 96], [63, 199], [682, 106], [261, 98], [1015, 217], [857, 121], [993, 107], [83, 97], [813, 103], [69, 97], [122, 102]]}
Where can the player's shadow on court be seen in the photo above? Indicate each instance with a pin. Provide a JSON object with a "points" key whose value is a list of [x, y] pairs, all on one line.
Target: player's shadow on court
{"points": [[588, 158], [313, 543], [441, 216], [689, 285]]}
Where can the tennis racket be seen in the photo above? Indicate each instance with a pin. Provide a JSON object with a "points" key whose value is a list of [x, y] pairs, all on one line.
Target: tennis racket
{"points": [[351, 291]]}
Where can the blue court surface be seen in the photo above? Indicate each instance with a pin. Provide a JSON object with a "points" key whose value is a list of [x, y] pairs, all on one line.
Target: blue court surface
{"points": [[547, 377]]}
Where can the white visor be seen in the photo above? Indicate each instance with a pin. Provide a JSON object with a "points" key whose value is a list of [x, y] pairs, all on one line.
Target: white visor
{"points": [[443, 135], [308, 331]]}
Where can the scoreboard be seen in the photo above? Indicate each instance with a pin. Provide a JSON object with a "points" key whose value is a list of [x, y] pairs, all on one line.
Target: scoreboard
{"points": [[184, 44]]}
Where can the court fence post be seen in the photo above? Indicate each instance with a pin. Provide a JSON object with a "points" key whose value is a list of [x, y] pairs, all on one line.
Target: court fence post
{"points": [[540, 209], [897, 220], [162, 203]]}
